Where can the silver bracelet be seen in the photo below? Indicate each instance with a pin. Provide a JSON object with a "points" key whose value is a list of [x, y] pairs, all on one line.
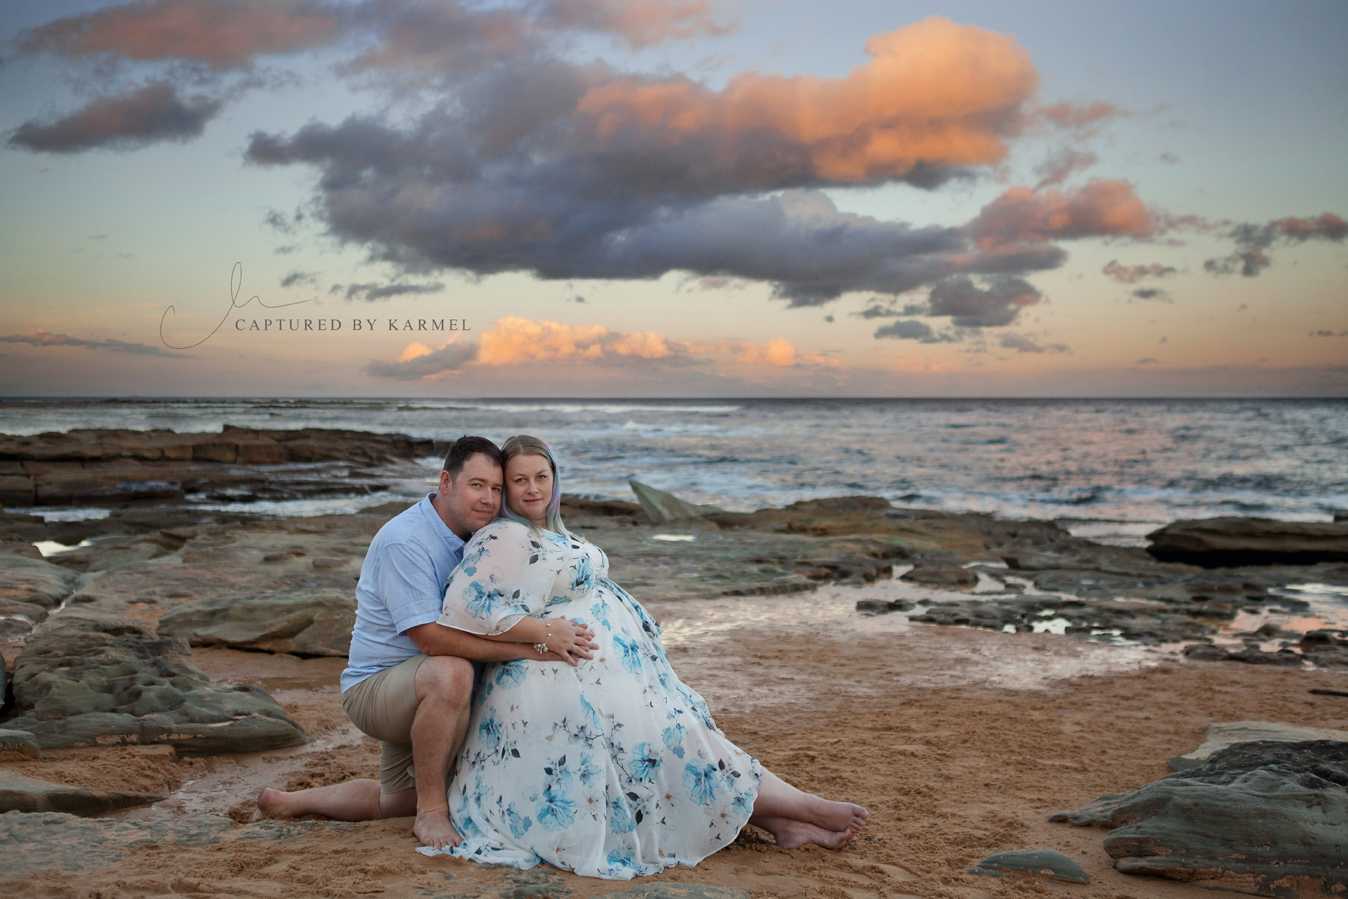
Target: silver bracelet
{"points": [[542, 648]]}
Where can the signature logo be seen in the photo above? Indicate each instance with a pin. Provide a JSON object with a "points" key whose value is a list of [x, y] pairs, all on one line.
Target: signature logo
{"points": [[235, 285]]}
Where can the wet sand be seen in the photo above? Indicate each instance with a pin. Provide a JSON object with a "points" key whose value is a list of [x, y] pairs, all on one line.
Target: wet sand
{"points": [[959, 741]]}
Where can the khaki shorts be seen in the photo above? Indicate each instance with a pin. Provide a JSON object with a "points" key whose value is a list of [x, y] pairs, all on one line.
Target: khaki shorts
{"points": [[383, 706]]}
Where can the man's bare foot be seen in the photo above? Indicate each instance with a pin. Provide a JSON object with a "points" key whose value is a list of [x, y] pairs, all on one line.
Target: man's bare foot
{"points": [[432, 827], [790, 833], [266, 803]]}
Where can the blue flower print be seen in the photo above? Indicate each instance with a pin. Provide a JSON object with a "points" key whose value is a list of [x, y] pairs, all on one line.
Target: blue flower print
{"points": [[518, 825], [554, 810], [587, 770], [701, 781], [621, 819], [510, 674], [618, 860], [489, 731], [743, 803], [483, 601], [584, 575], [645, 762], [631, 654], [599, 612], [673, 737], [558, 772]]}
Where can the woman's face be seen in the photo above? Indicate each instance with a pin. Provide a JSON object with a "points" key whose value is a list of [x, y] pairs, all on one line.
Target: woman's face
{"points": [[529, 487]]}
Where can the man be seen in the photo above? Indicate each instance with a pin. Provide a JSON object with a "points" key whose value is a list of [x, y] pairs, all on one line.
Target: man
{"points": [[409, 680]]}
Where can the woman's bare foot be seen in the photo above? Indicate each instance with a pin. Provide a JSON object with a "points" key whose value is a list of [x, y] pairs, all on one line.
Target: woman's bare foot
{"points": [[432, 827], [790, 833], [833, 816]]}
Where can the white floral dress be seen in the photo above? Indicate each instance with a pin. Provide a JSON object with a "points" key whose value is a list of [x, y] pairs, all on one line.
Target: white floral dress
{"points": [[613, 768]]}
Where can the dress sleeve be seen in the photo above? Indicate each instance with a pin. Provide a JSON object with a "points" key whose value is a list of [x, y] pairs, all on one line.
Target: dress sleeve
{"points": [[505, 575]]}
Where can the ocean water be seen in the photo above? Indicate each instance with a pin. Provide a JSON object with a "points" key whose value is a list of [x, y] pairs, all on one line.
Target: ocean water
{"points": [[1109, 469]]}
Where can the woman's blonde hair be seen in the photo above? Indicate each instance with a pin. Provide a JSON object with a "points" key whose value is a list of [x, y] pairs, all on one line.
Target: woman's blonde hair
{"points": [[524, 445]]}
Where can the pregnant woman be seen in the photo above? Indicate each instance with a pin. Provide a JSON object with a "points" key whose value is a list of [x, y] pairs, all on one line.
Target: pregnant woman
{"points": [[612, 767]]}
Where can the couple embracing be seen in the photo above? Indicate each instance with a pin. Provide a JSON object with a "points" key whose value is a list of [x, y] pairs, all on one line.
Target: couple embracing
{"points": [[580, 746]]}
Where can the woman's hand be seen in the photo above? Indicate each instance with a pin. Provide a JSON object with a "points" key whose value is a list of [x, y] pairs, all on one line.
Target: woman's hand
{"points": [[570, 641]]}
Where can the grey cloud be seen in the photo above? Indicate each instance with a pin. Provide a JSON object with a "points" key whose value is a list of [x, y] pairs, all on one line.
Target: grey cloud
{"points": [[373, 292], [970, 306], [1253, 241], [447, 358], [148, 115], [1023, 344], [1063, 165], [294, 278], [1147, 361], [914, 330], [44, 338], [1327, 333], [1151, 293]]}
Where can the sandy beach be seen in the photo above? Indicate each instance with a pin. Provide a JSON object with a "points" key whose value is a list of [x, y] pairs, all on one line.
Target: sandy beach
{"points": [[959, 742]]}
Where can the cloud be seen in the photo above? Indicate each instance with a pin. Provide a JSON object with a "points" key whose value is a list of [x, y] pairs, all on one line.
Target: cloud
{"points": [[516, 341], [144, 116], [294, 278], [373, 292], [1327, 333], [1253, 241], [934, 95], [414, 366], [639, 22], [970, 306], [913, 330], [218, 33], [1131, 274], [1078, 116], [1151, 293], [1100, 208], [1062, 165], [44, 338], [1147, 361], [1023, 344]]}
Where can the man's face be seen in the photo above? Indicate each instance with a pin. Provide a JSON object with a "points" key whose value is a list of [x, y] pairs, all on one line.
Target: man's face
{"points": [[472, 499]]}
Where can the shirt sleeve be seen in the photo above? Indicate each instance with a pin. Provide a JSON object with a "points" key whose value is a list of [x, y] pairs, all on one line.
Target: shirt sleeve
{"points": [[407, 583], [504, 576]]}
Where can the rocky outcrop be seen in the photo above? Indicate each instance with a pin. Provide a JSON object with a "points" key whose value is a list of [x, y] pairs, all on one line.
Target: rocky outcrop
{"points": [[1231, 542], [86, 682], [1220, 736], [1268, 818], [303, 622], [26, 794], [662, 508], [116, 467], [29, 590], [18, 746], [1326, 648], [937, 575], [1047, 863], [1250, 655]]}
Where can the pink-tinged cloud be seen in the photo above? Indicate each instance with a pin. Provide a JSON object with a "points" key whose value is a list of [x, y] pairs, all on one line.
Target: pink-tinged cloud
{"points": [[1100, 208], [1076, 116], [640, 23], [221, 33], [934, 95], [1131, 274], [151, 114], [515, 340]]}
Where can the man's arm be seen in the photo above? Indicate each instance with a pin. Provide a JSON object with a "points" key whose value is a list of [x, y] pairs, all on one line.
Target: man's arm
{"points": [[437, 640]]}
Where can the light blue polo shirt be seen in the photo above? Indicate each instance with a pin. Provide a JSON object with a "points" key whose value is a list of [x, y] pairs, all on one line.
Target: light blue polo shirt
{"points": [[402, 584]]}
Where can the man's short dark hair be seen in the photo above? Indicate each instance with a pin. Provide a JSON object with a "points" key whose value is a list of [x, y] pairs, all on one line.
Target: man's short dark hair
{"points": [[465, 448]]}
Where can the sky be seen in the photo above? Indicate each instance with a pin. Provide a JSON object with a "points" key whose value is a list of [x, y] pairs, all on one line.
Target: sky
{"points": [[673, 198]]}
